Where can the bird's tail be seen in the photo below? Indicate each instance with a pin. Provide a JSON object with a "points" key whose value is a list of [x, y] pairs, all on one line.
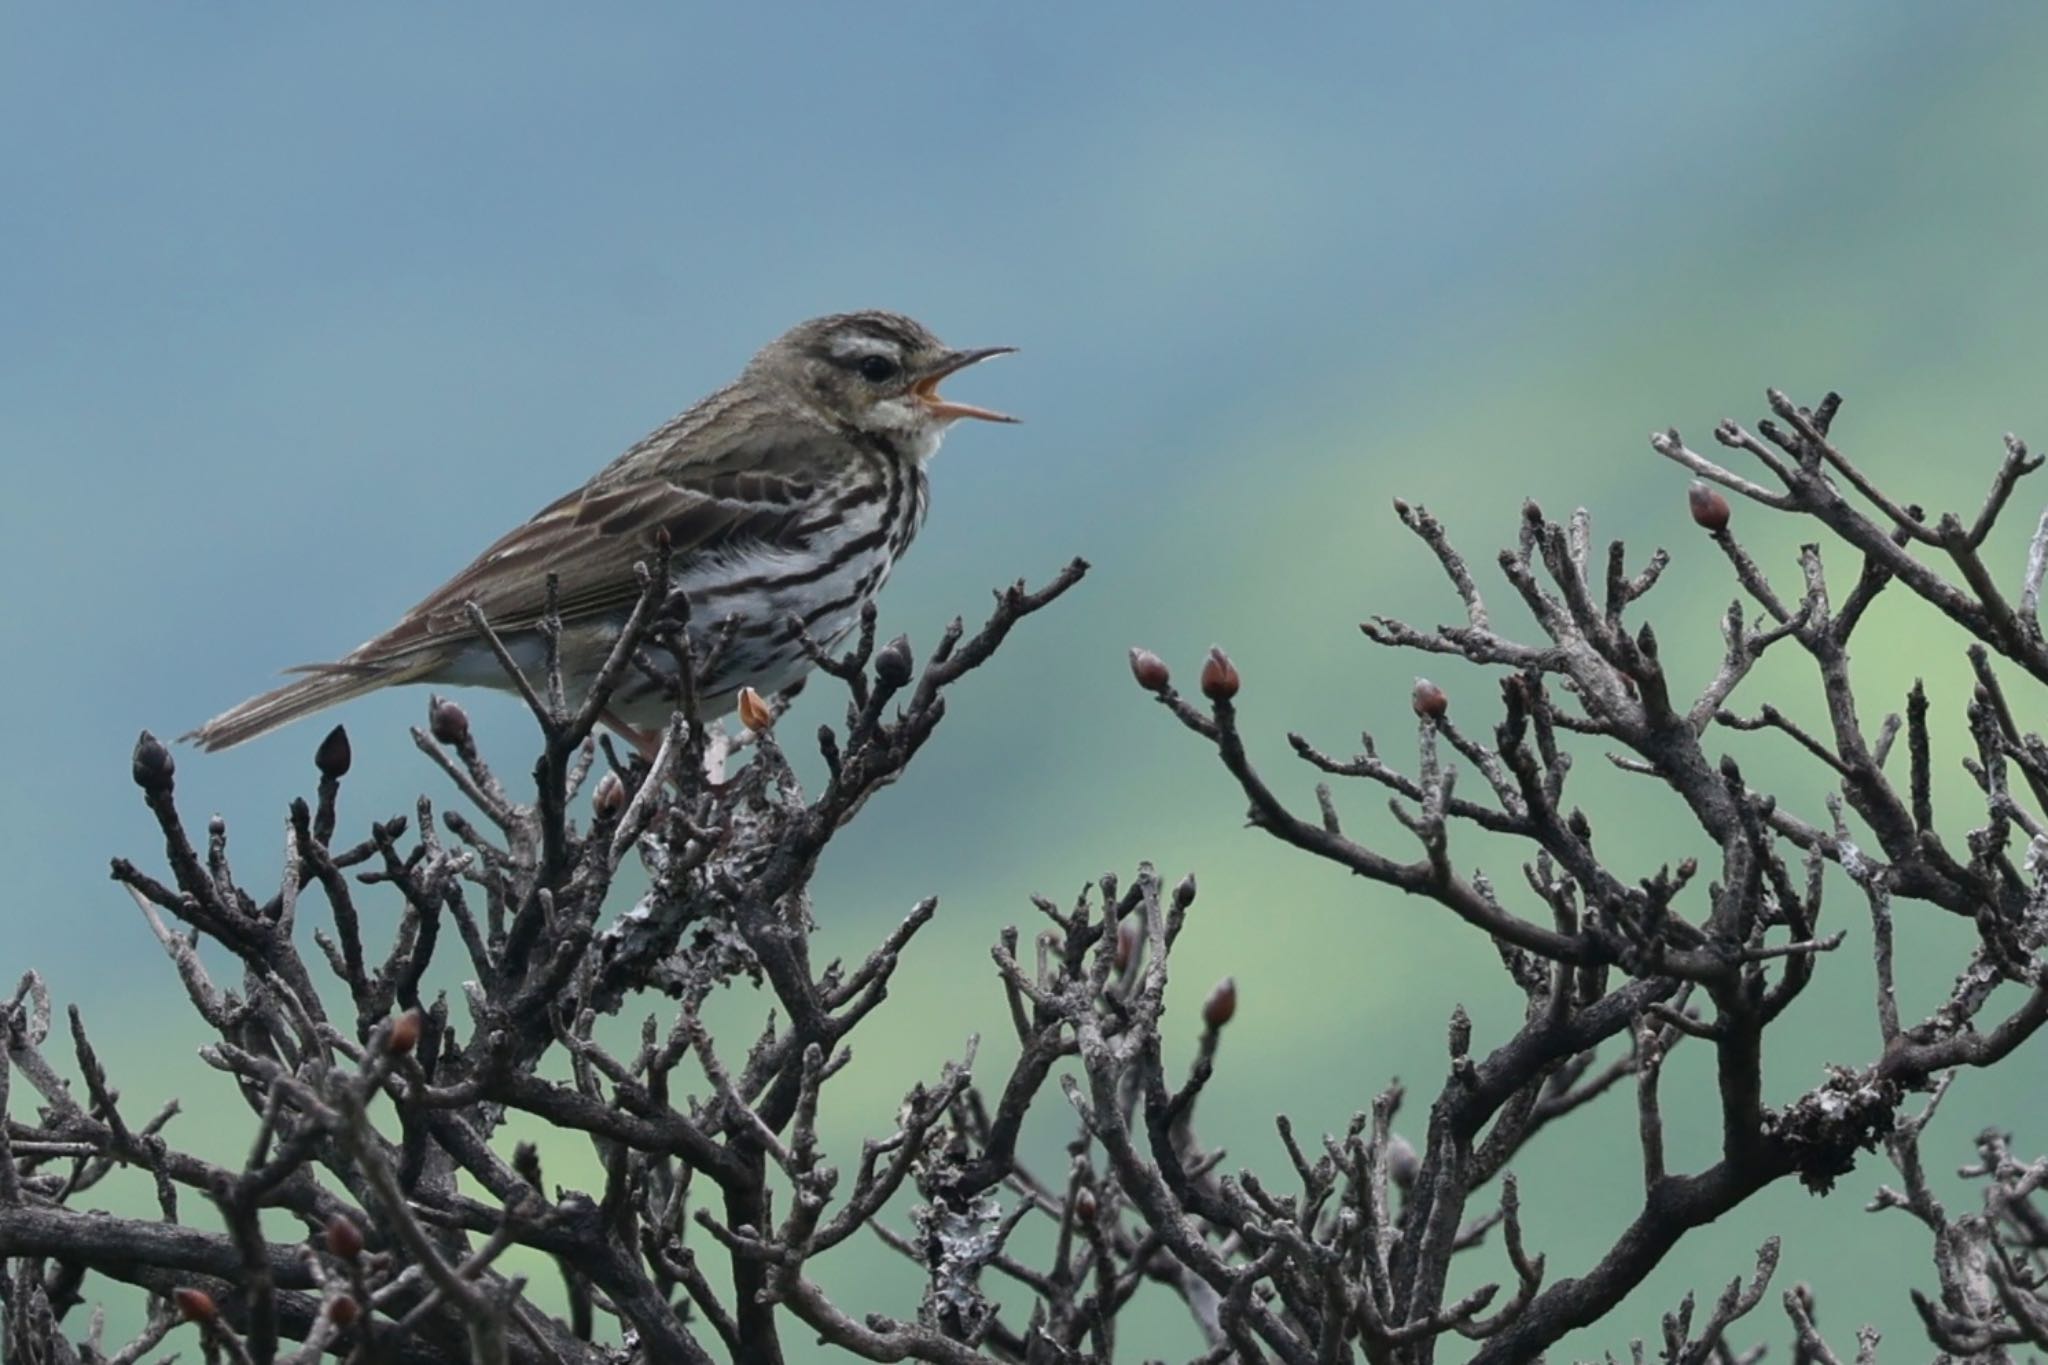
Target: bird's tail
{"points": [[325, 685]]}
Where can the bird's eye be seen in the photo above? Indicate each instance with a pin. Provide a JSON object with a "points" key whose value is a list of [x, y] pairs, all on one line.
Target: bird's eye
{"points": [[877, 369]]}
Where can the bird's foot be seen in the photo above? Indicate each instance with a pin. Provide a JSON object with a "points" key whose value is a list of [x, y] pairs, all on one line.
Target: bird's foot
{"points": [[718, 746]]}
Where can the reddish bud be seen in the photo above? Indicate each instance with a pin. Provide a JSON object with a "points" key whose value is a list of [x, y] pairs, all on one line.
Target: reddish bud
{"points": [[344, 1238], [1709, 508], [755, 713], [1221, 1006], [342, 1310], [1126, 944], [152, 764], [893, 665], [609, 800], [332, 757], [1429, 700], [1150, 670], [194, 1305], [1084, 1204], [405, 1034], [1219, 677], [447, 722]]}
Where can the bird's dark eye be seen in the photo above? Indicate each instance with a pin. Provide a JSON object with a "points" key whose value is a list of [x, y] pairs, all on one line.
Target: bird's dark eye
{"points": [[877, 369]]}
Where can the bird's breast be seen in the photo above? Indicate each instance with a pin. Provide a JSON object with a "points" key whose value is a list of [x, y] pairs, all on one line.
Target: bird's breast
{"points": [[847, 545]]}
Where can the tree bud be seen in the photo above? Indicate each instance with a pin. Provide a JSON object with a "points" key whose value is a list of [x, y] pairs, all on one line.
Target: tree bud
{"points": [[447, 722], [194, 1305], [1150, 670], [1126, 944], [1402, 1163], [1084, 1204], [892, 662], [1709, 508], [1221, 1006], [755, 713], [342, 1310], [405, 1034], [344, 1238], [1429, 700], [1219, 677], [333, 757], [609, 800], [526, 1163], [152, 764]]}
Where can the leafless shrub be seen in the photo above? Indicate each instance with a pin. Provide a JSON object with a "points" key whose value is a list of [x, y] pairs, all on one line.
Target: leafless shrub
{"points": [[715, 1206]]}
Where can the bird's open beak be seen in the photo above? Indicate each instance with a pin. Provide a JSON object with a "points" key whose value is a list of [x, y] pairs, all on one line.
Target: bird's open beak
{"points": [[927, 388]]}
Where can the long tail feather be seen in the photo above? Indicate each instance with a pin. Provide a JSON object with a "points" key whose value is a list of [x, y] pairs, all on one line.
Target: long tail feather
{"points": [[282, 706]]}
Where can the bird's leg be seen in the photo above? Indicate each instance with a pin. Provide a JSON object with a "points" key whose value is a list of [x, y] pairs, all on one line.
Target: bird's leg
{"points": [[646, 742], [718, 746]]}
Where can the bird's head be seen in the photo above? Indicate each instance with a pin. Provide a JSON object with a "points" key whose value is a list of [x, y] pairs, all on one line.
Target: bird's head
{"points": [[878, 372]]}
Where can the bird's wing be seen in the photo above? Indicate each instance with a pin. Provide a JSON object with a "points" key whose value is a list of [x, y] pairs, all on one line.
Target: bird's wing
{"points": [[591, 540]]}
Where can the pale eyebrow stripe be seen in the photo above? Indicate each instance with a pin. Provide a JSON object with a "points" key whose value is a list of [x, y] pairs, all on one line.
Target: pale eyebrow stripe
{"points": [[860, 345]]}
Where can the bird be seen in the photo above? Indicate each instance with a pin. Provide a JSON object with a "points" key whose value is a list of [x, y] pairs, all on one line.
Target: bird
{"points": [[785, 498]]}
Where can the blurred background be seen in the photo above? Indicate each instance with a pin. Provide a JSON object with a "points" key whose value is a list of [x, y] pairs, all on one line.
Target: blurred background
{"points": [[302, 306]]}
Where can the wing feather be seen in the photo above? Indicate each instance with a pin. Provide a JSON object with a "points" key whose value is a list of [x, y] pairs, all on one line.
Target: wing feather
{"points": [[737, 471], [591, 540]]}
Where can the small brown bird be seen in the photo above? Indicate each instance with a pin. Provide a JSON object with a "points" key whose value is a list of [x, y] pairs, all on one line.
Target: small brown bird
{"points": [[787, 496]]}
